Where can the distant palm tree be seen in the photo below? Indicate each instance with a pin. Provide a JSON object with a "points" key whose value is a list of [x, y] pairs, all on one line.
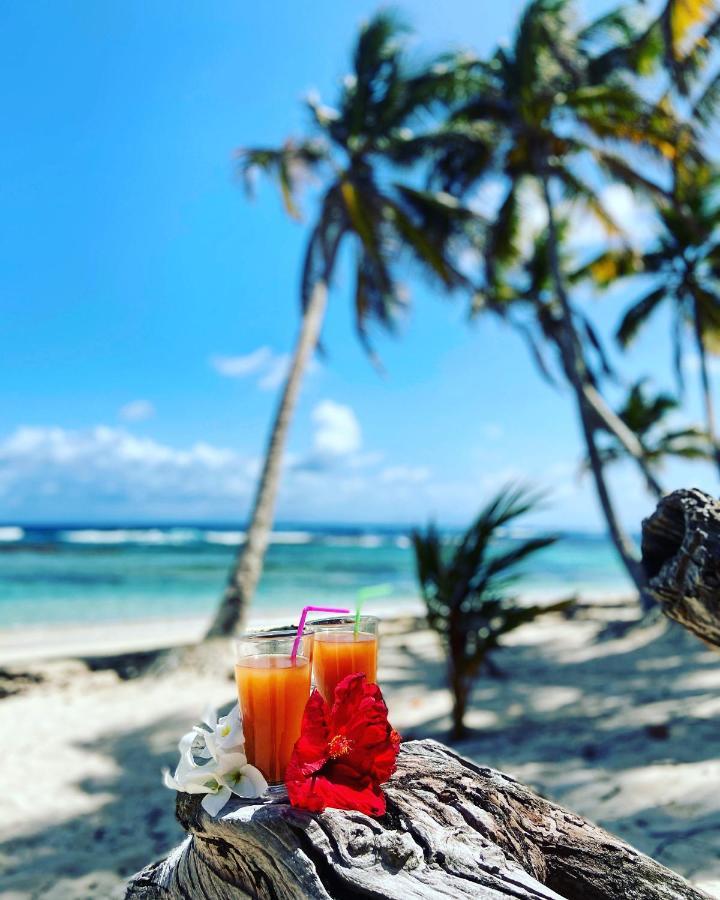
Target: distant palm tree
{"points": [[684, 265], [465, 586], [354, 153], [539, 114], [646, 415], [679, 38]]}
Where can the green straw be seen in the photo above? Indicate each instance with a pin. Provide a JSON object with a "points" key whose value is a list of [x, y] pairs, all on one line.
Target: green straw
{"points": [[373, 592]]}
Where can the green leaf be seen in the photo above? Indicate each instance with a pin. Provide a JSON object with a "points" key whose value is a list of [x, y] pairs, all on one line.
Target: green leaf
{"points": [[638, 314]]}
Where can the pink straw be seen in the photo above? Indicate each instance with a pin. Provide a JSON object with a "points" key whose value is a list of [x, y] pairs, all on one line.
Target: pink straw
{"points": [[301, 626]]}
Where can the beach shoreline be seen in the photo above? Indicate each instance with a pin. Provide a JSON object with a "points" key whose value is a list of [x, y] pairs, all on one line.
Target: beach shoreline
{"points": [[35, 643]]}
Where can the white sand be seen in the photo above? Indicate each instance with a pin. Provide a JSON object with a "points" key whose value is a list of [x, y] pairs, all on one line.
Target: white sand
{"points": [[623, 731]]}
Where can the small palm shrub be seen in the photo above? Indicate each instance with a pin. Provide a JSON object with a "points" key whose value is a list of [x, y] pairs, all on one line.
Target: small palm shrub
{"points": [[467, 590]]}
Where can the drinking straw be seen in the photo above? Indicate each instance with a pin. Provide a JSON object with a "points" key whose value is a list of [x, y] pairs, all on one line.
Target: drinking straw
{"points": [[368, 593], [303, 616]]}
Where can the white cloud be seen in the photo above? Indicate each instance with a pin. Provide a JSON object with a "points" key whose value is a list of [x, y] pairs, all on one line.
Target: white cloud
{"points": [[404, 474], [633, 214], [137, 411], [270, 368], [691, 363], [241, 366], [110, 469], [337, 430], [275, 372]]}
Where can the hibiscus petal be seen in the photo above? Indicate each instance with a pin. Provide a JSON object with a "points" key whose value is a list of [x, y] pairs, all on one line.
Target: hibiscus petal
{"points": [[323, 791], [310, 750]]}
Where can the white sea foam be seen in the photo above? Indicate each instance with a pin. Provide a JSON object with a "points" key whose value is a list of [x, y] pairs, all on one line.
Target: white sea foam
{"points": [[11, 533], [353, 540], [226, 538], [156, 536], [291, 537]]}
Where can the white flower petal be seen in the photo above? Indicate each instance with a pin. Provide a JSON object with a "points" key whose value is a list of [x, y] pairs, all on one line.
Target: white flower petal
{"points": [[230, 762], [213, 803], [169, 781], [228, 732], [251, 783], [209, 717], [186, 742]]}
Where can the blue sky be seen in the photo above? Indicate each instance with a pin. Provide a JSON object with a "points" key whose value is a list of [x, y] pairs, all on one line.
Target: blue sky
{"points": [[134, 273]]}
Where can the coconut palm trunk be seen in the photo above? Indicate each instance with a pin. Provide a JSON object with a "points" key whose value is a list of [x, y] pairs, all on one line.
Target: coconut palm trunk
{"points": [[230, 616], [573, 364], [706, 390]]}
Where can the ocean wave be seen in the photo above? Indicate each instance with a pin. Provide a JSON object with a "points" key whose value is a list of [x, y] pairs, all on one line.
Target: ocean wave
{"points": [[117, 536], [225, 538], [11, 533], [291, 537], [369, 541]]}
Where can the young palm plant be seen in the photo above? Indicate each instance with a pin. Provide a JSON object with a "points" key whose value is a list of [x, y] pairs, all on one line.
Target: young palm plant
{"points": [[466, 590], [647, 415], [542, 114], [360, 203]]}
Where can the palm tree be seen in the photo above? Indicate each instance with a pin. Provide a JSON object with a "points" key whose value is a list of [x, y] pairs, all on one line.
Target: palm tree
{"points": [[679, 38], [646, 415], [540, 113], [385, 221], [684, 268], [522, 293], [465, 588]]}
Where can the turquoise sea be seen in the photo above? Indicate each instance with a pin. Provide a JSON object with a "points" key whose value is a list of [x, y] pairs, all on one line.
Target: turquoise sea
{"points": [[84, 574]]}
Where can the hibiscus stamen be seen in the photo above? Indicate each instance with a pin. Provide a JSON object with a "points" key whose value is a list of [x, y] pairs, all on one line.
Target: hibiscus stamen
{"points": [[339, 746]]}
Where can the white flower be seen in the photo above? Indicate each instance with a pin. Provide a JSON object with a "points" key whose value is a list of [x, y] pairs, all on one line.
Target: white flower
{"points": [[227, 771], [225, 733]]}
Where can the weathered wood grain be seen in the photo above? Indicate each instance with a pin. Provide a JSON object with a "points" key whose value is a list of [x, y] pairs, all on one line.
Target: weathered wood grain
{"points": [[452, 829], [681, 556]]}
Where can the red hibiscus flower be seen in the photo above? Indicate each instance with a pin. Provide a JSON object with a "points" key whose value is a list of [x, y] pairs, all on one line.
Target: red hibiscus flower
{"points": [[343, 754]]}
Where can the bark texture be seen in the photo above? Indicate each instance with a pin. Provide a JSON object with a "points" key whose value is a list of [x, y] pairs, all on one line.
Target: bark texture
{"points": [[452, 829], [681, 556]]}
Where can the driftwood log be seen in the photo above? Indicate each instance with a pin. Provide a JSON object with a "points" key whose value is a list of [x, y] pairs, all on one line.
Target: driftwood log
{"points": [[681, 557], [452, 829]]}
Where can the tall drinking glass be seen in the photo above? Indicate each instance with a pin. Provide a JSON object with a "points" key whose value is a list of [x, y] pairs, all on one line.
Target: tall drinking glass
{"points": [[273, 689], [339, 650]]}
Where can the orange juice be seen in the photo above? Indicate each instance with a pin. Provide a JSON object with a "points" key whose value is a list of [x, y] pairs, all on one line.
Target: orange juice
{"points": [[340, 653], [273, 690]]}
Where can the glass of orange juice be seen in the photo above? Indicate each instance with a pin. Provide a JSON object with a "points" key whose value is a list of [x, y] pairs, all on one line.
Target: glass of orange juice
{"points": [[342, 647], [273, 688]]}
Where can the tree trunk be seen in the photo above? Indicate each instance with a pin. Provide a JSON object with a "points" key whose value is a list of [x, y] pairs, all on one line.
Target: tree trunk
{"points": [[452, 829], [611, 422], [706, 391], [623, 544], [460, 687], [245, 575], [575, 368], [681, 556]]}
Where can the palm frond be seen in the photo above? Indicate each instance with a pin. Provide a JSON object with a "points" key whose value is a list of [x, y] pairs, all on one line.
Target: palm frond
{"points": [[290, 165], [638, 314]]}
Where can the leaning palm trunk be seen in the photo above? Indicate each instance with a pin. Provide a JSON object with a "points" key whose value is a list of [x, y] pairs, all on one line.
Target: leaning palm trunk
{"points": [[572, 362], [244, 577], [707, 393], [627, 438]]}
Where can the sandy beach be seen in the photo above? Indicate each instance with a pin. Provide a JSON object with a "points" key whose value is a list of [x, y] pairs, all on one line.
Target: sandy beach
{"points": [[620, 729]]}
